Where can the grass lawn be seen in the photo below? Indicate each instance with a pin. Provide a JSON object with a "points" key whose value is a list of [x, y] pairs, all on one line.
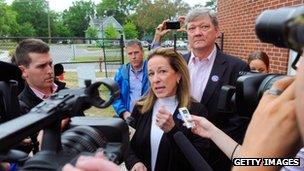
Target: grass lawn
{"points": [[71, 80]]}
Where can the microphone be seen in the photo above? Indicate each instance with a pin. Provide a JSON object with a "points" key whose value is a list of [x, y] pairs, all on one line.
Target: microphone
{"points": [[195, 159]]}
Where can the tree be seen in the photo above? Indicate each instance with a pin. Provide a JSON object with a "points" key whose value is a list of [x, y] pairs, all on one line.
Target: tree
{"points": [[130, 30], [91, 32], [149, 14], [111, 32], [8, 23], [34, 13], [77, 17], [211, 4], [120, 9], [26, 30]]}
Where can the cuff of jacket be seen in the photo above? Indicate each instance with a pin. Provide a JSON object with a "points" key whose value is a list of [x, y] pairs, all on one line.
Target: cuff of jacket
{"points": [[174, 130]]}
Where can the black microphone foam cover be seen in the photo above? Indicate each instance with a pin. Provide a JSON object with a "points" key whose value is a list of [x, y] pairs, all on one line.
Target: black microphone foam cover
{"points": [[193, 156]]}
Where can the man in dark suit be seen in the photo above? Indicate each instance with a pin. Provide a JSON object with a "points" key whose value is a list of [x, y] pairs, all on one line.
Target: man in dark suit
{"points": [[209, 70], [36, 64]]}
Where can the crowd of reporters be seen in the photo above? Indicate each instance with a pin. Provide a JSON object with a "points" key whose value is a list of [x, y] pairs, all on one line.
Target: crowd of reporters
{"points": [[192, 80]]}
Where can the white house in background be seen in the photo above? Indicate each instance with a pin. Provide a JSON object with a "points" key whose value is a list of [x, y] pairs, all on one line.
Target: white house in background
{"points": [[101, 24]]}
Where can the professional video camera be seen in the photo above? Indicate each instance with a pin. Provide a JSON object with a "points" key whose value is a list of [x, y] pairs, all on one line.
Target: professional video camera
{"points": [[283, 27], [85, 136]]}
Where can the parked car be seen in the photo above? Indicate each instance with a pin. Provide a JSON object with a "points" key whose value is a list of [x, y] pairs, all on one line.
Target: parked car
{"points": [[181, 44], [145, 43], [167, 43]]}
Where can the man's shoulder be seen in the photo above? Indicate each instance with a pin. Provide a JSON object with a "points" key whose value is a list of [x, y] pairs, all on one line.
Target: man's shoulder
{"points": [[231, 59], [28, 96]]}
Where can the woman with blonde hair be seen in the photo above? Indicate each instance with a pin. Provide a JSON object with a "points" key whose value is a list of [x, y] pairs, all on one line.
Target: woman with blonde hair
{"points": [[156, 117]]}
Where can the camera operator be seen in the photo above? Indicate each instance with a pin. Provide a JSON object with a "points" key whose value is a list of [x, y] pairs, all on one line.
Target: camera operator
{"points": [[210, 69], [35, 61]]}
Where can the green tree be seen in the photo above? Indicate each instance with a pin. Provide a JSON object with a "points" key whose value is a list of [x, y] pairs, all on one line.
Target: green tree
{"points": [[130, 30], [149, 14], [77, 17], [26, 30], [211, 4], [61, 30], [111, 32], [120, 9], [91, 32], [8, 23], [33, 12]]}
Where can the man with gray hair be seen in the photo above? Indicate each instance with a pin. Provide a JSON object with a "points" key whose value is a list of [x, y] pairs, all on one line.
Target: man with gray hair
{"points": [[132, 79], [209, 70]]}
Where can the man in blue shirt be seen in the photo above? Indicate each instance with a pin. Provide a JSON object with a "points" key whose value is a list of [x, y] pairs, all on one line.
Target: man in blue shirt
{"points": [[132, 79]]}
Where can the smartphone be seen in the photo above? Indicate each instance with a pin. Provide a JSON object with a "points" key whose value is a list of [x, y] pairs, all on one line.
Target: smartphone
{"points": [[185, 116], [172, 25]]}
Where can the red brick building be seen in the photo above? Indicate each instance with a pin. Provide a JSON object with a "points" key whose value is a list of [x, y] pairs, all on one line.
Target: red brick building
{"points": [[237, 21]]}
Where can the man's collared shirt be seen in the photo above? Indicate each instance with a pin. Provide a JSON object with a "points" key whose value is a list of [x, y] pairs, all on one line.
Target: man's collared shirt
{"points": [[199, 73], [42, 95], [136, 77]]}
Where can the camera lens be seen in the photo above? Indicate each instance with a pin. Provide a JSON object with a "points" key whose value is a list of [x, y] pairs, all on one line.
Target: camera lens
{"points": [[274, 26], [267, 83], [83, 139]]}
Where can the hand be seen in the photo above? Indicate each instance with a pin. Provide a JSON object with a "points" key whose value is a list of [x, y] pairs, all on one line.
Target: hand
{"points": [[202, 127], [90, 163], [164, 120], [160, 31], [300, 96], [273, 131], [4, 166], [126, 114], [139, 166], [181, 20], [65, 123]]}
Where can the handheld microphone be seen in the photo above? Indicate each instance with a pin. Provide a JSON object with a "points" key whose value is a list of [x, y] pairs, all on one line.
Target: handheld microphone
{"points": [[195, 159]]}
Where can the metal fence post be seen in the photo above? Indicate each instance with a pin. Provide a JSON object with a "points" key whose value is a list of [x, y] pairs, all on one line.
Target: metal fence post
{"points": [[122, 49]]}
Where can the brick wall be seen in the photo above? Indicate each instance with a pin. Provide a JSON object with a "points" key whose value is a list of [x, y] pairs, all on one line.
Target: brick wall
{"points": [[237, 21]]}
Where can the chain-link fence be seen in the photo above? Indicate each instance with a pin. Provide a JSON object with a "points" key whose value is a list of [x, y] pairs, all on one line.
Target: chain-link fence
{"points": [[180, 42], [102, 54]]}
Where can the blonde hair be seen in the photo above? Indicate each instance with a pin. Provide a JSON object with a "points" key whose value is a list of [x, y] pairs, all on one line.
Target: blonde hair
{"points": [[179, 65]]}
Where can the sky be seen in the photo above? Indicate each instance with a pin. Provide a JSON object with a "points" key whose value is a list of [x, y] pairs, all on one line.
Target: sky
{"points": [[60, 5]]}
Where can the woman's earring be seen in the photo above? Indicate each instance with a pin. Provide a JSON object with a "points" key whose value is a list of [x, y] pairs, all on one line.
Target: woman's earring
{"points": [[177, 81]]}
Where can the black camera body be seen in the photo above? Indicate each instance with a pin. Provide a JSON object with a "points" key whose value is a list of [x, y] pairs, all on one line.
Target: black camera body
{"points": [[172, 25], [283, 27], [85, 136]]}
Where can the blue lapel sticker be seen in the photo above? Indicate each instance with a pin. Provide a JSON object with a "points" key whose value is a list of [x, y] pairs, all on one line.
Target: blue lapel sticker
{"points": [[215, 78]]}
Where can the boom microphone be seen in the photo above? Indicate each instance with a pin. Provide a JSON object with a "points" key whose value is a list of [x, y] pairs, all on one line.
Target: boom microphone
{"points": [[195, 159]]}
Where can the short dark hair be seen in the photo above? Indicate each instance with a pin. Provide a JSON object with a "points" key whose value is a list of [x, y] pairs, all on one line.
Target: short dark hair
{"points": [[27, 46], [134, 42], [259, 55]]}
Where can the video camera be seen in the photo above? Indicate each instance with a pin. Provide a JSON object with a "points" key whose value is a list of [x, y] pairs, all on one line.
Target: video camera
{"points": [[84, 137], [283, 27]]}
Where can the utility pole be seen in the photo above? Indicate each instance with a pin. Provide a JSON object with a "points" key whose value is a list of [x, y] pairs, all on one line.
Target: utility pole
{"points": [[48, 19]]}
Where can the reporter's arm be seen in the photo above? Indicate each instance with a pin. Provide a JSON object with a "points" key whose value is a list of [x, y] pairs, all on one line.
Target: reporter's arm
{"points": [[206, 129]]}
